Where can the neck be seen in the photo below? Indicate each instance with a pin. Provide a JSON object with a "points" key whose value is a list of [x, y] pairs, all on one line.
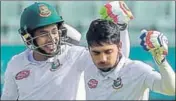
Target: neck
{"points": [[39, 57]]}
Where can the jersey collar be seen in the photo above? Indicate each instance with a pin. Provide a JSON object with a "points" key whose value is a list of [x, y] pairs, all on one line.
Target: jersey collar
{"points": [[116, 72]]}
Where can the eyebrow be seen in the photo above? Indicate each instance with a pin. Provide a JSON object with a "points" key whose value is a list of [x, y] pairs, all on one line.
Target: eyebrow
{"points": [[108, 50], [95, 51], [54, 29], [101, 51]]}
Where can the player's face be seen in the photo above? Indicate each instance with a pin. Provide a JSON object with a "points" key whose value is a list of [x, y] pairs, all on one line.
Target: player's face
{"points": [[105, 56], [48, 38]]}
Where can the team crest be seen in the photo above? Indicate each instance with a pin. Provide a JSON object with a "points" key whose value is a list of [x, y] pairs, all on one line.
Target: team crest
{"points": [[92, 83], [44, 11], [117, 83], [55, 65], [22, 74]]}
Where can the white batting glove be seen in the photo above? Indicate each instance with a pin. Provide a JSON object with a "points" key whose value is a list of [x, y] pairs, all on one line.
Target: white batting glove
{"points": [[118, 12], [156, 43]]}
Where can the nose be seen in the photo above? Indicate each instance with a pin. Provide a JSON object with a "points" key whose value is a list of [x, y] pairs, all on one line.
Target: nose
{"points": [[103, 58], [51, 38]]}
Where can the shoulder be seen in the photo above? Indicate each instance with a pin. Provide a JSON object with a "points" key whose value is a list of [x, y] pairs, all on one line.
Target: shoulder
{"points": [[76, 51], [78, 48], [138, 66], [17, 61], [18, 58]]}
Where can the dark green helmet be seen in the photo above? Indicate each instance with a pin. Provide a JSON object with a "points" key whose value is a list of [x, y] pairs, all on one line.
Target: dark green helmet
{"points": [[38, 15]]}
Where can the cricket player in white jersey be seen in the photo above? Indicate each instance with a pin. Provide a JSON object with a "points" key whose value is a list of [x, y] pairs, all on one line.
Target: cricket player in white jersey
{"points": [[112, 76], [119, 13], [46, 70]]}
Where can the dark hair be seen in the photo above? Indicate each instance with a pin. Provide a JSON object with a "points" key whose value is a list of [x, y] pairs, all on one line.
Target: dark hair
{"points": [[102, 31]]}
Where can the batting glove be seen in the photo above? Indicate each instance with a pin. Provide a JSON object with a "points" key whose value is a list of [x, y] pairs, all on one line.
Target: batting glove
{"points": [[118, 12], [156, 43]]}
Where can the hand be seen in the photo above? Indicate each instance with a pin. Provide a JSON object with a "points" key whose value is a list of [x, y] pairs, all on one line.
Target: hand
{"points": [[116, 11], [156, 43]]}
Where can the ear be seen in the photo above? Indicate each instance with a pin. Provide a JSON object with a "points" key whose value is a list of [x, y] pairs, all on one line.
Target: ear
{"points": [[119, 45]]}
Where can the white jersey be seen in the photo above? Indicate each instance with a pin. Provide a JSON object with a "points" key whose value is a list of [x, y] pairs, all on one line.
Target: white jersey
{"points": [[130, 80], [25, 80]]}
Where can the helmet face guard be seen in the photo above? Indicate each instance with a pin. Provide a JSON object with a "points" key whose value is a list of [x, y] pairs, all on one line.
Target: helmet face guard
{"points": [[39, 15], [31, 43]]}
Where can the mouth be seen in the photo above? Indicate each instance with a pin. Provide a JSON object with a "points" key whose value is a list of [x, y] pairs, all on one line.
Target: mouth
{"points": [[50, 48], [103, 65]]}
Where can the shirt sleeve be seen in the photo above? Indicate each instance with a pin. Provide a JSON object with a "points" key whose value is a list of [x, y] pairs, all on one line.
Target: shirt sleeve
{"points": [[124, 37], [83, 60], [10, 91], [78, 55], [163, 82]]}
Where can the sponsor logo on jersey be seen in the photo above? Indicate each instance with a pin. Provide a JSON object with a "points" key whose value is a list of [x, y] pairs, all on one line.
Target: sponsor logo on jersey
{"points": [[22, 74], [92, 83], [117, 84]]}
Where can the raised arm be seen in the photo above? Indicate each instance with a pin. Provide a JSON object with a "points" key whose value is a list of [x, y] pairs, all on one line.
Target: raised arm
{"points": [[119, 13], [157, 44]]}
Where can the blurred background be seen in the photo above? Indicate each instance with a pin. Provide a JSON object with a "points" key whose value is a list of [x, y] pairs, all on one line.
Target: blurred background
{"points": [[151, 15]]}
